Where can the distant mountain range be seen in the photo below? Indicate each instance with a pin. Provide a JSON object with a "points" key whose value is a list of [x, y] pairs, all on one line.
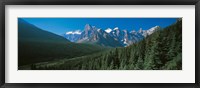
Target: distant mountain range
{"points": [[109, 37]]}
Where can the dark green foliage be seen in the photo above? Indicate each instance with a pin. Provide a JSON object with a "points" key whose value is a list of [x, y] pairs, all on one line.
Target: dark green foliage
{"points": [[160, 51], [36, 45]]}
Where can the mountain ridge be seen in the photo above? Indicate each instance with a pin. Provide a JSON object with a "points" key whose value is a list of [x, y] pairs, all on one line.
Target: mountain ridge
{"points": [[121, 38]]}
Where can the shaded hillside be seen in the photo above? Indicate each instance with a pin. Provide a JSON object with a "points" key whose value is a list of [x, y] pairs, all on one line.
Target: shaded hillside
{"points": [[36, 45], [160, 51]]}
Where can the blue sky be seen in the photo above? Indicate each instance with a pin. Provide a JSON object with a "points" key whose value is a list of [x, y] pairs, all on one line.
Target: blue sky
{"points": [[63, 25]]}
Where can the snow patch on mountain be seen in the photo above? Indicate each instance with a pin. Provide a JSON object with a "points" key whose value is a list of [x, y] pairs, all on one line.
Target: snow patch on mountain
{"points": [[98, 30], [108, 30], [152, 30], [149, 31], [74, 32], [116, 28]]}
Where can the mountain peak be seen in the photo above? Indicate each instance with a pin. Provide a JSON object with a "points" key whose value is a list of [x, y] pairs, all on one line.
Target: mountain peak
{"points": [[125, 30], [108, 30], [88, 27], [153, 29], [116, 28], [133, 31], [140, 30], [87, 24], [99, 29]]}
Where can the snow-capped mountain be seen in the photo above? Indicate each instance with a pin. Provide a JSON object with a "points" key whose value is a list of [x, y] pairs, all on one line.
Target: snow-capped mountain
{"points": [[109, 37], [73, 36], [149, 31], [125, 37], [108, 30], [94, 35], [119, 35], [152, 30]]}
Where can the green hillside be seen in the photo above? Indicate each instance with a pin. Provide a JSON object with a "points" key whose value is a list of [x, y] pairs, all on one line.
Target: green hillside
{"points": [[160, 51], [36, 45]]}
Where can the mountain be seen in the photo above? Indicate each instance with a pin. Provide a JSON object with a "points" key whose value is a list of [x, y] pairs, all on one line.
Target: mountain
{"points": [[149, 31], [36, 45], [109, 37], [73, 36], [125, 37], [94, 35]]}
